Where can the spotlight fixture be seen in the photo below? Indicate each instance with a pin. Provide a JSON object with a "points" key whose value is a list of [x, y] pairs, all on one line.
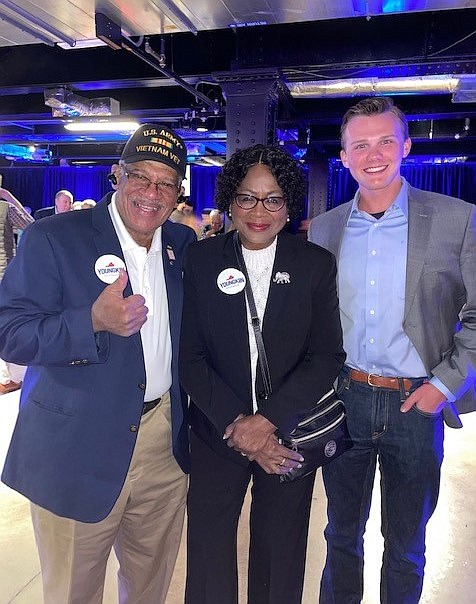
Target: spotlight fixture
{"points": [[102, 126], [465, 131], [430, 133]]}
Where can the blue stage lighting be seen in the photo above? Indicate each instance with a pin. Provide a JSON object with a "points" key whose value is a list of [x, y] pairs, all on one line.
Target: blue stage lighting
{"points": [[18, 152]]}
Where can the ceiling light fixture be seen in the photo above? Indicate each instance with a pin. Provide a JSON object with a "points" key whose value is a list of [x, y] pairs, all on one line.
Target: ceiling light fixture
{"points": [[465, 131], [102, 126]]}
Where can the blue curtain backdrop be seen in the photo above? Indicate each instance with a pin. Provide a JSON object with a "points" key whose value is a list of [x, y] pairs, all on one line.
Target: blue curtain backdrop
{"points": [[36, 186], [457, 179], [202, 186]]}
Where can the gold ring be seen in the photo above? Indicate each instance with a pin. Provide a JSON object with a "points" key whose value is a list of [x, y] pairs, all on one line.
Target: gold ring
{"points": [[282, 462]]}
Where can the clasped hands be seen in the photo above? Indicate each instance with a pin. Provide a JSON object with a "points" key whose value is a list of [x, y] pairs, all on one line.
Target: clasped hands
{"points": [[254, 436]]}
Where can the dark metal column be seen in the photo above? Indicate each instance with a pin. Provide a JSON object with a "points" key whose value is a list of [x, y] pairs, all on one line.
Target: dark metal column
{"points": [[252, 98], [318, 184]]}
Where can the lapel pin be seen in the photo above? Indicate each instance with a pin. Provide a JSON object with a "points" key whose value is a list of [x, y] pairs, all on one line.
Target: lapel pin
{"points": [[107, 267], [231, 281], [281, 277], [170, 253]]}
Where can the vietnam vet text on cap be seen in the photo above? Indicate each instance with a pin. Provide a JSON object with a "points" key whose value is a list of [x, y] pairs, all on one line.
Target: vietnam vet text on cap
{"points": [[157, 143]]}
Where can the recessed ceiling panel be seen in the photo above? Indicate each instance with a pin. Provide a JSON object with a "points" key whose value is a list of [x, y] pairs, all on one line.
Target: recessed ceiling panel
{"points": [[75, 19]]}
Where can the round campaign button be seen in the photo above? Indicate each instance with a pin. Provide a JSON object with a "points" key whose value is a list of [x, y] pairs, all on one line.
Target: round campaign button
{"points": [[231, 281], [107, 267]]}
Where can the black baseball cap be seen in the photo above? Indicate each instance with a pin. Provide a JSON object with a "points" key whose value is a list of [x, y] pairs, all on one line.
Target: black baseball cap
{"points": [[157, 143]]}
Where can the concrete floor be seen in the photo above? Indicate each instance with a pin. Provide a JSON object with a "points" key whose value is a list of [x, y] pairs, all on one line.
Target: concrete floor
{"points": [[451, 542]]}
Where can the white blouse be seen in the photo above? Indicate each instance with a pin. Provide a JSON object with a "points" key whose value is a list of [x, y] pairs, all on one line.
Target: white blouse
{"points": [[259, 264]]}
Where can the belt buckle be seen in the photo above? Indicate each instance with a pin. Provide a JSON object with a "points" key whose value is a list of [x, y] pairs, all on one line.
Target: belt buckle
{"points": [[369, 379]]}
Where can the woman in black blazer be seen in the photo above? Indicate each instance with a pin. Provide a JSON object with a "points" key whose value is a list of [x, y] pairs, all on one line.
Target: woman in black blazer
{"points": [[234, 427]]}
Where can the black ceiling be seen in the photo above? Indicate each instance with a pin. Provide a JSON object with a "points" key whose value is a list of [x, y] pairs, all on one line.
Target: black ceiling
{"points": [[416, 45]]}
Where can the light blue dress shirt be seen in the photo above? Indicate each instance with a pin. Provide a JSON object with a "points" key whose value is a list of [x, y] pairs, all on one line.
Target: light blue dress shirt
{"points": [[371, 281]]}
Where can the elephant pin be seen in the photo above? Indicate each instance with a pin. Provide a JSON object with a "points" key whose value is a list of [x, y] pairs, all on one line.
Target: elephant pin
{"points": [[280, 277]]}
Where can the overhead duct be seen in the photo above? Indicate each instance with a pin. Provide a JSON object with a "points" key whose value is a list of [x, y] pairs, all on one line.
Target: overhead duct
{"points": [[466, 92], [65, 103], [443, 84]]}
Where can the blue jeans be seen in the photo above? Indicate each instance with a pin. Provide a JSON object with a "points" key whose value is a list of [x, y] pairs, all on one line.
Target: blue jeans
{"points": [[409, 448]]}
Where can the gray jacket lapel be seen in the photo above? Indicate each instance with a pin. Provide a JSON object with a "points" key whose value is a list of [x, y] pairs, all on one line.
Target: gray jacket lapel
{"points": [[336, 233], [328, 230], [420, 216]]}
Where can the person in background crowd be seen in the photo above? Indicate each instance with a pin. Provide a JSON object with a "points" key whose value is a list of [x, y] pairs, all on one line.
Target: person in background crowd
{"points": [[18, 216], [184, 214], [294, 288], [182, 197], [63, 203], [84, 205], [13, 217], [406, 270], [215, 225], [92, 302], [183, 210]]}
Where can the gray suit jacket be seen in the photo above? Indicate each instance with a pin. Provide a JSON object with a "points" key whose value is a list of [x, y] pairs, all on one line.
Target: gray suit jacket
{"points": [[440, 287]]}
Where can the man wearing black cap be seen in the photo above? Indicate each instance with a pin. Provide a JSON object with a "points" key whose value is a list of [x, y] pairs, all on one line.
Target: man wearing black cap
{"points": [[92, 304]]}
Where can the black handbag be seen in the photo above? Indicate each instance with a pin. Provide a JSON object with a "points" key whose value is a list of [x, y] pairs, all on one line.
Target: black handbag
{"points": [[323, 435], [320, 438]]}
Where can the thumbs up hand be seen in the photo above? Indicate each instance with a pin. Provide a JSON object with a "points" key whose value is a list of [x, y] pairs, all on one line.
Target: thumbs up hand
{"points": [[116, 314]]}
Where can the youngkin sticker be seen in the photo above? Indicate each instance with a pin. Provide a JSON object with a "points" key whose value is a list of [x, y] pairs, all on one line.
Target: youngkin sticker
{"points": [[231, 281], [107, 267]]}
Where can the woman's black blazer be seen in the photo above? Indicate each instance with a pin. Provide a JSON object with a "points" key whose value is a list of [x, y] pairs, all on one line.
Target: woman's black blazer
{"points": [[301, 331]]}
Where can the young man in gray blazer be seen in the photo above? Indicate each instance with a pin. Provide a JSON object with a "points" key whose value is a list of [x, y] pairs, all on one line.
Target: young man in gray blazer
{"points": [[407, 293]]}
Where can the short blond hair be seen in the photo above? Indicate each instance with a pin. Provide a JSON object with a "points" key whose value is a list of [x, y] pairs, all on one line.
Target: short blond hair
{"points": [[373, 106]]}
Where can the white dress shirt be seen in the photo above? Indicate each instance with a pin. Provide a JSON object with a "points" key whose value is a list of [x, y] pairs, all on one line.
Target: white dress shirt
{"points": [[146, 275]]}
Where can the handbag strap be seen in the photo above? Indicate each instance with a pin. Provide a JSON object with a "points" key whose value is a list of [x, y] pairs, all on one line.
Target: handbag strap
{"points": [[255, 322]]}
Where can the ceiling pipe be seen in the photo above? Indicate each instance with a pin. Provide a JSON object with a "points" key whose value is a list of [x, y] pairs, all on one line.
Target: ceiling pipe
{"points": [[37, 21], [157, 64], [375, 86], [111, 33], [178, 17], [29, 30]]}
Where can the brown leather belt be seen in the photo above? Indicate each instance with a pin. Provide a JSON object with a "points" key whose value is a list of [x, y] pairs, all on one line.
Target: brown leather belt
{"points": [[150, 405], [379, 381]]}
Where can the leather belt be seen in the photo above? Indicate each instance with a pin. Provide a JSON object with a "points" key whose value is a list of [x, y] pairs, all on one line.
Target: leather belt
{"points": [[379, 381], [150, 405]]}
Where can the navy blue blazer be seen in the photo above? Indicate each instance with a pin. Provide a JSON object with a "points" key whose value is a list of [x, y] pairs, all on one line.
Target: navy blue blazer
{"points": [[44, 212], [83, 393]]}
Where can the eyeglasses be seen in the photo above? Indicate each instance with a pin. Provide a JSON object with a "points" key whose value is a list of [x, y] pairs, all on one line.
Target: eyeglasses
{"points": [[248, 202], [139, 181]]}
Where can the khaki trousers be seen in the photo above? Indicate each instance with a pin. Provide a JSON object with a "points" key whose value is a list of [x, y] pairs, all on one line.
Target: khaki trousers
{"points": [[144, 526]]}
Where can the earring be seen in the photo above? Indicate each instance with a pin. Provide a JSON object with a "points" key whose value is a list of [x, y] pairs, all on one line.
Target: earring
{"points": [[288, 219]]}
